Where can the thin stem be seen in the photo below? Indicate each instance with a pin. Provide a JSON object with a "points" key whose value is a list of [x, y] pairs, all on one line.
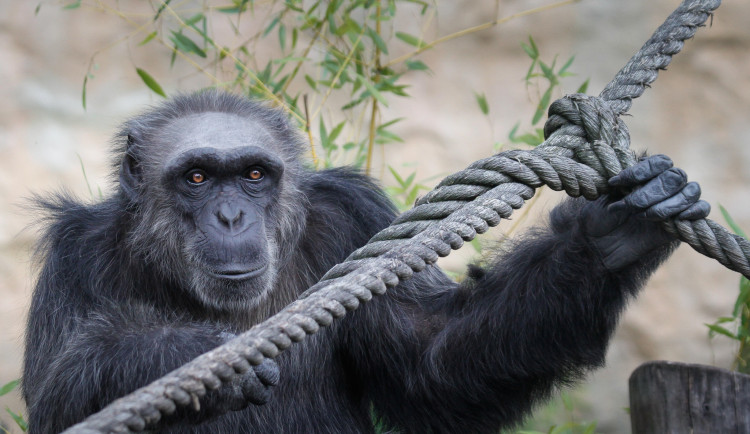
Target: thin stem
{"points": [[376, 79], [475, 29], [309, 132]]}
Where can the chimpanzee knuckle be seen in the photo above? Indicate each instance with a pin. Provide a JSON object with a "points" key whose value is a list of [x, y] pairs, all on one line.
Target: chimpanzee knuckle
{"points": [[692, 191], [639, 199], [659, 163], [673, 180], [697, 211], [268, 372]]}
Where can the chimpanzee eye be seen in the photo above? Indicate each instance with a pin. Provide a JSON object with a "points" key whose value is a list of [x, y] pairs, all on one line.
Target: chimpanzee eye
{"points": [[255, 174], [196, 177]]}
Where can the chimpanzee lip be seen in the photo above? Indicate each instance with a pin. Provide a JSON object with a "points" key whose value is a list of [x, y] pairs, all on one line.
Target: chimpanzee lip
{"points": [[238, 274]]}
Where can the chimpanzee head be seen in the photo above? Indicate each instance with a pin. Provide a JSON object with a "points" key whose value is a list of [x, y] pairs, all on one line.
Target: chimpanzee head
{"points": [[211, 182]]}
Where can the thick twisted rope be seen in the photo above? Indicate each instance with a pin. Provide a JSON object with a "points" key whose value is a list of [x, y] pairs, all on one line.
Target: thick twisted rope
{"points": [[586, 143]]}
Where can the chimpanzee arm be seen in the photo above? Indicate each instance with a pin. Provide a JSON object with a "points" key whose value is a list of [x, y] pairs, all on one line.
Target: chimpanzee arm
{"points": [[433, 356], [88, 342]]}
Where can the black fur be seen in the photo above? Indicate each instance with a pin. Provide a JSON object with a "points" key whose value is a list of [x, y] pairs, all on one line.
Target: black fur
{"points": [[112, 311]]}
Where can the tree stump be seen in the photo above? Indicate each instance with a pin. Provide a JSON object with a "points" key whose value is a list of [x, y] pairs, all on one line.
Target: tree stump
{"points": [[669, 397]]}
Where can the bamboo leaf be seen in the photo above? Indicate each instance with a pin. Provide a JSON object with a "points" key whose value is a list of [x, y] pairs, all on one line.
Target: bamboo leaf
{"points": [[336, 131], [372, 90], [531, 49], [565, 67], [150, 82], [83, 91], [8, 387], [583, 87], [377, 40], [410, 39], [482, 101], [311, 82], [542, 107], [397, 176], [282, 36], [18, 419], [715, 329], [416, 65], [148, 38], [75, 5], [730, 221], [186, 45], [743, 299]]}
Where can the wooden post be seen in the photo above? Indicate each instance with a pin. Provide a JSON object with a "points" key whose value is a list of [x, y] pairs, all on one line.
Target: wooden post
{"points": [[669, 397]]}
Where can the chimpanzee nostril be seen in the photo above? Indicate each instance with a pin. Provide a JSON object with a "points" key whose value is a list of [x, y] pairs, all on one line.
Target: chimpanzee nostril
{"points": [[229, 215]]}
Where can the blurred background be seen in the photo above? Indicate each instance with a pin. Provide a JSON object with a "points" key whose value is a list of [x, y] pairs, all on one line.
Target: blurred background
{"points": [[698, 113]]}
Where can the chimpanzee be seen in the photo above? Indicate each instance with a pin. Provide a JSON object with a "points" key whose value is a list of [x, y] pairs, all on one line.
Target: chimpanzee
{"points": [[218, 223]]}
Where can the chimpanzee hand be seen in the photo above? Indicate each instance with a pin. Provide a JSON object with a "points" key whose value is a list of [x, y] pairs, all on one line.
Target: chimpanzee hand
{"points": [[624, 228], [252, 387]]}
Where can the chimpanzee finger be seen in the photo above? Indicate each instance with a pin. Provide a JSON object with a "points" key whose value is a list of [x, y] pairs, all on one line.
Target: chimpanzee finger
{"points": [[644, 170], [268, 372], [257, 383], [656, 190], [697, 211], [674, 205]]}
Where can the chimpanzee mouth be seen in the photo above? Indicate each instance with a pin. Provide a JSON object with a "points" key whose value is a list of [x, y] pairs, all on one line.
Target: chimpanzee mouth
{"points": [[238, 274]]}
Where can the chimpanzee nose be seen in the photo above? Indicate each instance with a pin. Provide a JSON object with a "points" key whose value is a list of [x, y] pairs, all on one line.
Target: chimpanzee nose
{"points": [[230, 215]]}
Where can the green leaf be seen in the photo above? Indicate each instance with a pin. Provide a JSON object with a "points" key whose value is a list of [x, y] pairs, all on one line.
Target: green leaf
{"points": [[549, 74], [590, 428], [75, 5], [730, 221], [532, 50], [18, 419], [83, 91], [289, 59], [324, 142], [716, 329], [377, 40], [416, 65], [542, 107], [372, 90], [410, 179], [513, 131], [530, 72], [482, 101], [336, 131], [410, 39], [282, 36], [194, 19], [150, 82], [529, 139], [311, 82], [743, 299], [565, 67], [7, 388], [270, 27], [148, 38], [186, 45], [583, 87], [398, 177]]}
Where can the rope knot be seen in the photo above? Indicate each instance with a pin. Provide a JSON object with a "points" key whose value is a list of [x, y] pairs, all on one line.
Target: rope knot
{"points": [[604, 139]]}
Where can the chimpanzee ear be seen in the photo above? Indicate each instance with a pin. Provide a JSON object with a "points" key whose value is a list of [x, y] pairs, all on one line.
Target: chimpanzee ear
{"points": [[131, 175]]}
